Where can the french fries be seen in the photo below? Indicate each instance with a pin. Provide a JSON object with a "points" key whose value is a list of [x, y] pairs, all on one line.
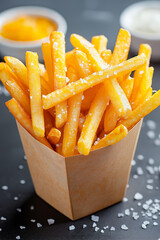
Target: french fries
{"points": [[81, 85], [92, 121], [85, 99], [57, 43], [100, 43], [54, 136], [13, 88], [113, 137], [35, 94]]}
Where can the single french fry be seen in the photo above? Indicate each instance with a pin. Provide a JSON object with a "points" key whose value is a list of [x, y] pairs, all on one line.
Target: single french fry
{"points": [[42, 69], [81, 122], [81, 85], [118, 98], [13, 88], [92, 121], [88, 97], [82, 64], [49, 122], [138, 74], [35, 94], [22, 117], [121, 48], [54, 136], [146, 96], [100, 43], [74, 104], [127, 86], [85, 46], [21, 72], [69, 59], [46, 50], [144, 85], [142, 110], [113, 137], [57, 42], [18, 68], [111, 116], [110, 119], [106, 55], [71, 126]]}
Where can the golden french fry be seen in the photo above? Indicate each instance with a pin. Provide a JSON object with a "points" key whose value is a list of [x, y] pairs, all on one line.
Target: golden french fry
{"points": [[69, 59], [92, 54], [21, 72], [113, 137], [35, 94], [144, 85], [127, 86], [22, 117], [110, 119], [106, 55], [142, 110], [58, 64], [46, 49], [92, 121], [48, 122], [100, 43], [121, 48], [54, 136], [146, 96], [88, 97], [71, 126], [111, 116], [81, 122], [74, 104], [118, 98], [81, 85], [138, 74], [13, 88], [18, 68]]}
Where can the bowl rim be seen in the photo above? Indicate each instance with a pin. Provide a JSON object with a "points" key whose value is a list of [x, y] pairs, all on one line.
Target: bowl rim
{"points": [[31, 10], [135, 7]]}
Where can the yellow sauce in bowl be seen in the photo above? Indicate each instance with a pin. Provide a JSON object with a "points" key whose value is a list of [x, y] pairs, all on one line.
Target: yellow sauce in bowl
{"points": [[27, 28]]}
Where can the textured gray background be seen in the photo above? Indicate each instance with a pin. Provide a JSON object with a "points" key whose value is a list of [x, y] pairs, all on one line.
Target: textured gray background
{"points": [[89, 17]]}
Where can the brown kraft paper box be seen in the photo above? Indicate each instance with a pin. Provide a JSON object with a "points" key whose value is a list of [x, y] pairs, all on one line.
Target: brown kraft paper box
{"points": [[80, 185]]}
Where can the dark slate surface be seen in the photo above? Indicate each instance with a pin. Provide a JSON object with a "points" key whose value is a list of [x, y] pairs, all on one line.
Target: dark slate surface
{"points": [[88, 18]]}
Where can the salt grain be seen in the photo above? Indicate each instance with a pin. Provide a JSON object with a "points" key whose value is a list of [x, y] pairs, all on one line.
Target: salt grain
{"points": [[22, 227], [18, 237], [155, 224], [95, 218], [19, 210], [94, 224], [120, 215], [151, 124], [102, 231], [33, 220], [139, 171], [138, 196], [157, 142], [125, 199], [39, 225], [72, 227], [50, 221], [140, 157], [5, 188], [20, 167], [151, 134], [84, 226], [96, 229], [149, 187], [3, 218], [133, 162], [151, 161], [31, 207], [22, 181], [15, 198], [124, 227], [112, 229]]}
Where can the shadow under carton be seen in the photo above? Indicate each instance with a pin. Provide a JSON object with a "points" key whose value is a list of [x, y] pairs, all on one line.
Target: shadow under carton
{"points": [[80, 185]]}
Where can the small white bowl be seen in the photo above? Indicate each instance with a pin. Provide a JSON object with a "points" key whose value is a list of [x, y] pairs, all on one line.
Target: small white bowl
{"points": [[127, 19], [18, 48]]}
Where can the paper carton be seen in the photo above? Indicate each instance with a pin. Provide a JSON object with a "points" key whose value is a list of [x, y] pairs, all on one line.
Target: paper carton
{"points": [[80, 185]]}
